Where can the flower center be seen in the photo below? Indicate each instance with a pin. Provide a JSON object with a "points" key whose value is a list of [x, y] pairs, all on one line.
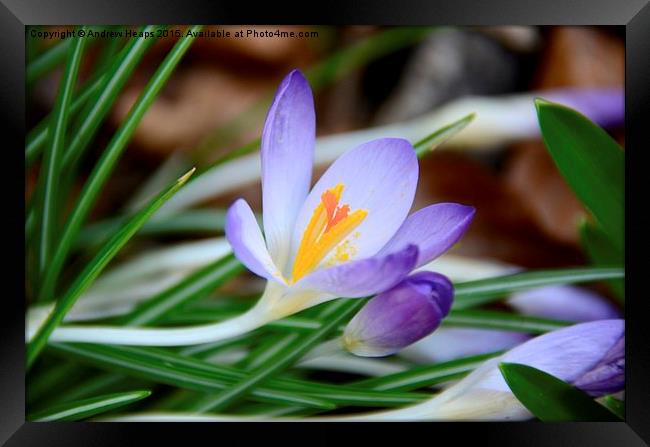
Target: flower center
{"points": [[328, 226]]}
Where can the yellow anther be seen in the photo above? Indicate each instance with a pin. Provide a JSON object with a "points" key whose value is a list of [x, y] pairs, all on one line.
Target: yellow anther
{"points": [[328, 226]]}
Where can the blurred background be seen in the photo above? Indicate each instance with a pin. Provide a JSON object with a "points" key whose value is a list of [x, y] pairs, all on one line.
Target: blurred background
{"points": [[364, 77]]}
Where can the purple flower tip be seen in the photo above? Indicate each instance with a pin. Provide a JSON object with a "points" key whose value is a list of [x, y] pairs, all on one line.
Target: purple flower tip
{"points": [[400, 316], [608, 376]]}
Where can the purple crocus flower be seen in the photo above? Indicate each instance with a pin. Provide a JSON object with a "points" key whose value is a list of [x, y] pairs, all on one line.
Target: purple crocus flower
{"points": [[350, 235], [589, 356], [399, 316]]}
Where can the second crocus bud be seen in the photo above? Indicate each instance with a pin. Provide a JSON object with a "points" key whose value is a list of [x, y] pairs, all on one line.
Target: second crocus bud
{"points": [[399, 316]]}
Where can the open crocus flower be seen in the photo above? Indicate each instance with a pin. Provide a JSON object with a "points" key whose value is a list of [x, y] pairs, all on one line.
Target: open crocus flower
{"points": [[350, 235]]}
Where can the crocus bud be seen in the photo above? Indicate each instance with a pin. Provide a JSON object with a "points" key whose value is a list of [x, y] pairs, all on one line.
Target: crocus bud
{"points": [[399, 316]]}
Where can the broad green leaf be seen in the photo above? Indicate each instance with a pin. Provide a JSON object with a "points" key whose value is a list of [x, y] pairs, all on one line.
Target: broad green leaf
{"points": [[591, 162], [82, 409], [602, 253], [614, 405], [549, 398], [474, 293], [95, 267], [108, 160]]}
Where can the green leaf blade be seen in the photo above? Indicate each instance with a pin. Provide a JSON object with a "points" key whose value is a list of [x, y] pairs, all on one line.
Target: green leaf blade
{"points": [[109, 159], [95, 267], [435, 139], [53, 157], [474, 293], [549, 398], [592, 163], [85, 408]]}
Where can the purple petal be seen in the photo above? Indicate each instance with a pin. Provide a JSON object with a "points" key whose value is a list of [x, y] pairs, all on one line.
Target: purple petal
{"points": [[568, 353], [450, 343], [247, 242], [287, 152], [608, 376], [435, 285], [564, 303], [400, 316], [380, 177], [604, 106], [364, 277], [434, 229]]}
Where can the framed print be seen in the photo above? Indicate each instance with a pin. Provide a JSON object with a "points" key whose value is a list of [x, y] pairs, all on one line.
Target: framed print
{"points": [[412, 217]]}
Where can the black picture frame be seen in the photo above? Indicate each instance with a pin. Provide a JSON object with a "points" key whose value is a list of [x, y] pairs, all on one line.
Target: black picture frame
{"points": [[634, 15]]}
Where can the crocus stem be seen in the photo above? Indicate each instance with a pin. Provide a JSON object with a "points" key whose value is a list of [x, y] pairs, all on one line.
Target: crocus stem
{"points": [[207, 333]]}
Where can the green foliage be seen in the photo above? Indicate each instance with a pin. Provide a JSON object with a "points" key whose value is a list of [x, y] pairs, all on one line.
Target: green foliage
{"points": [[95, 267], [474, 293], [593, 164], [107, 162], [82, 409], [549, 398], [265, 379]]}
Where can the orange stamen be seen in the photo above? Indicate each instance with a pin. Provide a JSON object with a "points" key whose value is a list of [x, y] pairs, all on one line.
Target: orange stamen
{"points": [[328, 226]]}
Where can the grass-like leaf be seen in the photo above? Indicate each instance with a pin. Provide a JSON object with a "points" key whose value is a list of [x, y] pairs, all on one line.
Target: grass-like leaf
{"points": [[474, 293], [204, 313], [98, 97], [37, 137], [51, 170], [504, 321], [164, 366], [102, 102], [195, 286], [192, 222], [47, 61], [95, 267], [591, 162], [430, 142], [82, 409], [107, 162], [337, 312], [427, 375], [549, 398]]}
